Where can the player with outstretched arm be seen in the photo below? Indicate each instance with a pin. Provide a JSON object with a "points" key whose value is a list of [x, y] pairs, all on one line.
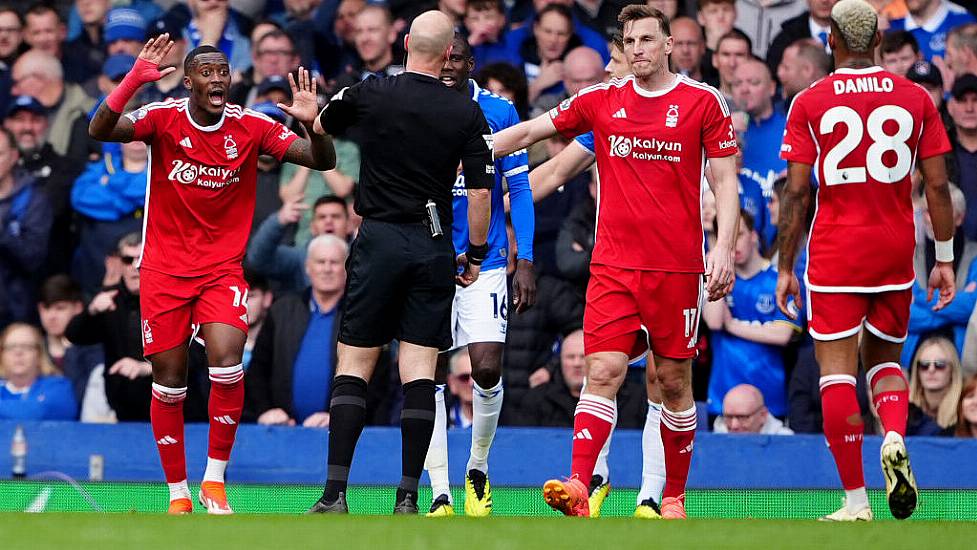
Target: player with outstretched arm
{"points": [[653, 132], [199, 204]]}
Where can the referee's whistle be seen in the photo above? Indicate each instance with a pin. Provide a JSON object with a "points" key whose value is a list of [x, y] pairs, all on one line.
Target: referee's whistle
{"points": [[434, 221]]}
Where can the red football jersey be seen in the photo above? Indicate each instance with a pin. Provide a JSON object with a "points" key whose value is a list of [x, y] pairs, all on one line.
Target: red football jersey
{"points": [[651, 149], [202, 180], [862, 131]]}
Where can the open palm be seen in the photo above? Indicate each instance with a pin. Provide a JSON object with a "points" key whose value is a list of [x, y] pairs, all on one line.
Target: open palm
{"points": [[305, 104], [152, 54]]}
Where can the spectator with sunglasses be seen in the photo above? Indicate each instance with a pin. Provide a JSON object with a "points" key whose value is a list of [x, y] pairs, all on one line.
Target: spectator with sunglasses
{"points": [[935, 380], [460, 385], [108, 197], [112, 319]]}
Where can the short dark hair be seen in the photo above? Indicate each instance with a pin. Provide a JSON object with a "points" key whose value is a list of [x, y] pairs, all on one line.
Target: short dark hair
{"points": [[59, 288], [466, 48], [329, 199], [188, 61], [617, 40], [274, 33], [10, 9], [558, 9], [894, 41], [704, 3], [635, 12], [736, 34], [42, 8], [255, 280], [748, 221], [486, 5], [510, 77]]}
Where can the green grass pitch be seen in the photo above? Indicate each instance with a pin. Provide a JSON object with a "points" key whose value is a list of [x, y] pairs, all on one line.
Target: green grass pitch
{"points": [[269, 518]]}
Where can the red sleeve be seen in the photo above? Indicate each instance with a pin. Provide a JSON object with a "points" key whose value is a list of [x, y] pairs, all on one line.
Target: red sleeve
{"points": [[934, 140], [575, 115], [144, 121], [275, 136], [799, 143], [718, 137]]}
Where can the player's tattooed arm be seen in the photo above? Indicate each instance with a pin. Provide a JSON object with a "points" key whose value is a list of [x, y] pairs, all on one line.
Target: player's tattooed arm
{"points": [[108, 125], [316, 152], [793, 211]]}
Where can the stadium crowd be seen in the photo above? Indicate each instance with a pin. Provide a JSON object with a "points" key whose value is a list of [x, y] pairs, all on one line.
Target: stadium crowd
{"points": [[71, 209]]}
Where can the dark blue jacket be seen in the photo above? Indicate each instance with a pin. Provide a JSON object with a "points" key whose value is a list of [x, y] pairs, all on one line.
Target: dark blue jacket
{"points": [[25, 225]]}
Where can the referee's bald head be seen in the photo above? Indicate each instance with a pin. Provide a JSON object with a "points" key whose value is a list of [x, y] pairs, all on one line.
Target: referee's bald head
{"points": [[430, 37]]}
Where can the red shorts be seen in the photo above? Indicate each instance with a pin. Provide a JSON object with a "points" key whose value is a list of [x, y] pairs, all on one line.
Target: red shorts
{"points": [[171, 306], [632, 311], [837, 315]]}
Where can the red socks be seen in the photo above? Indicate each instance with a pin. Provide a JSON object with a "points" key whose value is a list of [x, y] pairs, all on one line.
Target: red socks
{"points": [[678, 433], [592, 424], [892, 406], [224, 409], [166, 417], [843, 428]]}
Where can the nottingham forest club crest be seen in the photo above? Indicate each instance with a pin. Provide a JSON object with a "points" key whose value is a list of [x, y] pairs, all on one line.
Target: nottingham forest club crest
{"points": [[230, 147], [671, 116]]}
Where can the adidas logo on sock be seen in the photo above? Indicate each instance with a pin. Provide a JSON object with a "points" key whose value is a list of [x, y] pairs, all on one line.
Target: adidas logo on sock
{"points": [[583, 434], [225, 420], [620, 114], [687, 449], [166, 440]]}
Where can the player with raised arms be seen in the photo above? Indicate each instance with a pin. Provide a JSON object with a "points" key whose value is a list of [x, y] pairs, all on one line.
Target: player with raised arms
{"points": [[861, 131], [199, 206], [653, 132]]}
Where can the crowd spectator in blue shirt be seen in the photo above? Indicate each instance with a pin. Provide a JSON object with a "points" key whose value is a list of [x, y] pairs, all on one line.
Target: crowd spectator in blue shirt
{"points": [[541, 53], [951, 320], [25, 224], [748, 330], [930, 21], [109, 197], [753, 90], [294, 359], [29, 388], [486, 24]]}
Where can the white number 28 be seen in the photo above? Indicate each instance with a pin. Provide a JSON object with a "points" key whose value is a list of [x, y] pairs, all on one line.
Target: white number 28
{"points": [[881, 142]]}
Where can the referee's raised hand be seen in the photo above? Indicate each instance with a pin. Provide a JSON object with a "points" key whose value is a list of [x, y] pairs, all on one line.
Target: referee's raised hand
{"points": [[305, 103]]}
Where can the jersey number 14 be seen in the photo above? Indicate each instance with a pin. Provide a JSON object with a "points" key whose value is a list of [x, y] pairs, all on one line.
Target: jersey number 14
{"points": [[881, 143]]}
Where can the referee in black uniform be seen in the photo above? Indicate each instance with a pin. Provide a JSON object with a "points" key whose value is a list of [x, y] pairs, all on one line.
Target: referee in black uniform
{"points": [[402, 266]]}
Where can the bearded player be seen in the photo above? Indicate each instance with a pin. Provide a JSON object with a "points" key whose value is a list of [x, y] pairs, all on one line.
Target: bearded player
{"points": [[199, 205], [861, 130], [478, 315], [545, 179], [653, 132]]}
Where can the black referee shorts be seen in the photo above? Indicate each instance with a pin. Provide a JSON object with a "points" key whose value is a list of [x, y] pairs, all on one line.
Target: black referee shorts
{"points": [[400, 284]]}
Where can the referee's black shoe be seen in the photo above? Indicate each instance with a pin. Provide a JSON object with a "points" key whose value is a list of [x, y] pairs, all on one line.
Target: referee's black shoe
{"points": [[337, 506], [406, 502]]}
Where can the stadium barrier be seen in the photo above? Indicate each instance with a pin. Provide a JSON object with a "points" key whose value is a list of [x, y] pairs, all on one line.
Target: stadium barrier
{"points": [[279, 469]]}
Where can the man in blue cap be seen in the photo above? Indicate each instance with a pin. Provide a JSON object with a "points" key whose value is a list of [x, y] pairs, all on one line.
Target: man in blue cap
{"points": [[53, 174], [125, 32]]}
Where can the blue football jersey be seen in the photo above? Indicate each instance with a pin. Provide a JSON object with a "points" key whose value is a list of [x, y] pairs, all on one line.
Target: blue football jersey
{"points": [[738, 361], [500, 114], [932, 35]]}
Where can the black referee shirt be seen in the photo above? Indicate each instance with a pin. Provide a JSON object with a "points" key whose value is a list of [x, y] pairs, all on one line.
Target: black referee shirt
{"points": [[415, 132]]}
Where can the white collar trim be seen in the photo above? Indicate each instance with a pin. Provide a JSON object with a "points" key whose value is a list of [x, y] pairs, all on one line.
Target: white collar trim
{"points": [[657, 93]]}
